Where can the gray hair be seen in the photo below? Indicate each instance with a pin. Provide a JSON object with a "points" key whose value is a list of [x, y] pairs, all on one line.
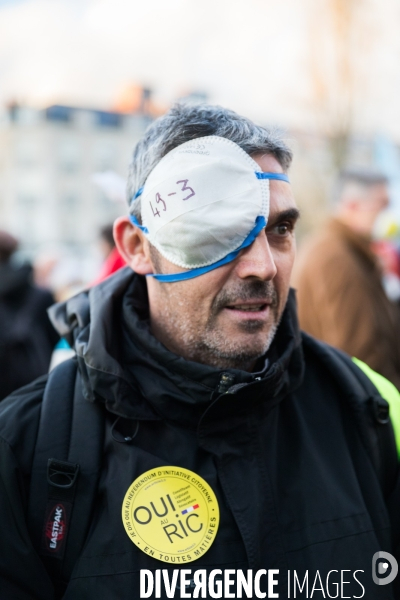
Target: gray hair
{"points": [[186, 122], [361, 177]]}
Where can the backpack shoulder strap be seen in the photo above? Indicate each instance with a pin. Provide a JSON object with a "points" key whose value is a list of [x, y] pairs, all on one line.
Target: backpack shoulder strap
{"points": [[370, 406], [65, 471], [389, 392]]}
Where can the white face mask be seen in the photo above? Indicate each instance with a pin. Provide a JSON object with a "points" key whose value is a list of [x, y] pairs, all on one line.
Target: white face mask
{"points": [[204, 202]]}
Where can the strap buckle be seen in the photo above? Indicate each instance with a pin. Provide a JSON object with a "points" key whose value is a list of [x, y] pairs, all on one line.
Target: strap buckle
{"points": [[61, 474], [381, 410]]}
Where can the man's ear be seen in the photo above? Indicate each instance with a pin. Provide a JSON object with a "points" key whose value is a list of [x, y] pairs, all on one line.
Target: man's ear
{"points": [[133, 246]]}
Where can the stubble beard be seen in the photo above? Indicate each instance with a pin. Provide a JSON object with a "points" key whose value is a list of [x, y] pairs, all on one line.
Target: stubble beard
{"points": [[209, 344]]}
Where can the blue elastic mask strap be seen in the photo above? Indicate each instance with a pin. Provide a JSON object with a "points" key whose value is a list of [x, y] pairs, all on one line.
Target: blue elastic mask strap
{"points": [[259, 226], [277, 176], [138, 193], [135, 222]]}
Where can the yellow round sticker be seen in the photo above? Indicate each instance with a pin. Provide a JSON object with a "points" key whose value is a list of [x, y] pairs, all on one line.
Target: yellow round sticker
{"points": [[171, 514]]}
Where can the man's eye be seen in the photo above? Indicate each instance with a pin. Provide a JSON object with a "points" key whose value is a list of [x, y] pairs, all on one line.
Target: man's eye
{"points": [[283, 228]]}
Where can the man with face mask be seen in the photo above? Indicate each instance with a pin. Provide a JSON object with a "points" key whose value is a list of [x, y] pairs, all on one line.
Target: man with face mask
{"points": [[338, 278], [199, 445]]}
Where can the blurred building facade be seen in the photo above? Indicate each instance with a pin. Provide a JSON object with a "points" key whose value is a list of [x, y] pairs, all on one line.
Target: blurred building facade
{"points": [[48, 158], [47, 162]]}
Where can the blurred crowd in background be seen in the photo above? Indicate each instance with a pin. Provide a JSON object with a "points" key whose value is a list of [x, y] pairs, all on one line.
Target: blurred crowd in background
{"points": [[329, 79], [63, 171]]}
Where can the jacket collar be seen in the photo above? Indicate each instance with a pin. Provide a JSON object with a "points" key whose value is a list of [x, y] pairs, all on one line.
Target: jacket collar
{"points": [[361, 244], [126, 367]]}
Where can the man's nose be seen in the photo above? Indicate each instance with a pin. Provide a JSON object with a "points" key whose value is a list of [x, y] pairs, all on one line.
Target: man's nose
{"points": [[257, 260]]}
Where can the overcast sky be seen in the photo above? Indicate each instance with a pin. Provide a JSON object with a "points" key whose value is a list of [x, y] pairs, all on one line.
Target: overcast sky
{"points": [[259, 57]]}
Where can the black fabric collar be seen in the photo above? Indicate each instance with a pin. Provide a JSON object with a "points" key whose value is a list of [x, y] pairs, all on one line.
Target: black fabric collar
{"points": [[126, 367], [181, 390]]}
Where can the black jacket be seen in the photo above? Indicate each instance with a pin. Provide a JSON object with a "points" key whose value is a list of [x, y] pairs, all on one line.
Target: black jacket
{"points": [[27, 338], [280, 447]]}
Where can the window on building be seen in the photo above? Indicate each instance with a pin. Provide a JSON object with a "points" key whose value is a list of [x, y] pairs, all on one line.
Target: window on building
{"points": [[26, 213], [69, 155], [105, 156], [69, 217], [27, 152], [108, 119], [59, 113]]}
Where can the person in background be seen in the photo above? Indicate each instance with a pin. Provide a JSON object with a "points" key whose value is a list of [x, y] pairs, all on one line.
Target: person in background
{"points": [[27, 337], [338, 278], [112, 258], [389, 259], [112, 262]]}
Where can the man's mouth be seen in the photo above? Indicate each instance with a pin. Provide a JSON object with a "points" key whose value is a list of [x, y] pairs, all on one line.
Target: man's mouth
{"points": [[256, 308], [248, 307], [256, 301]]}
